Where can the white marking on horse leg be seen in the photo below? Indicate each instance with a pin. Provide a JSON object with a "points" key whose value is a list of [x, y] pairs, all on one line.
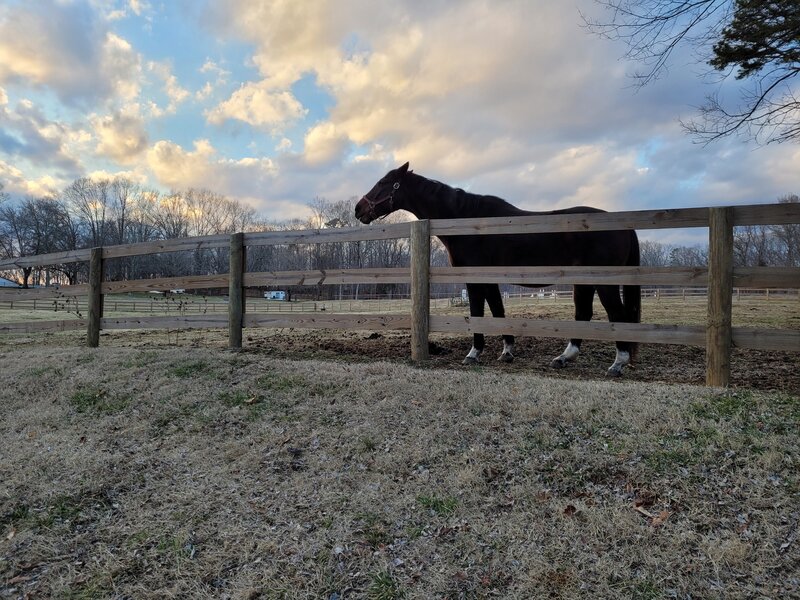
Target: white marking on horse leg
{"points": [[508, 352], [569, 354], [473, 357], [623, 358]]}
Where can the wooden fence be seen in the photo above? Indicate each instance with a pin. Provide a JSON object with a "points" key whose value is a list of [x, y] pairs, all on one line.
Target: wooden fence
{"points": [[718, 336]]}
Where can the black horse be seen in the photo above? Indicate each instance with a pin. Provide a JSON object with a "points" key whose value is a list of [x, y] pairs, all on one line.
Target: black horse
{"points": [[428, 199]]}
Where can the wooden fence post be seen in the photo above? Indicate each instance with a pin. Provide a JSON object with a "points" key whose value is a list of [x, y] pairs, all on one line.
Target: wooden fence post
{"points": [[236, 305], [420, 289], [720, 296], [95, 297]]}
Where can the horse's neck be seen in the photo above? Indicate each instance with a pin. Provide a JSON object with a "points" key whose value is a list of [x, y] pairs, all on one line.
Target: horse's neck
{"points": [[429, 199]]}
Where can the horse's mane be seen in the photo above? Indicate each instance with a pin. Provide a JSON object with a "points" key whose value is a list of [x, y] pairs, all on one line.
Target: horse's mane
{"points": [[463, 203]]}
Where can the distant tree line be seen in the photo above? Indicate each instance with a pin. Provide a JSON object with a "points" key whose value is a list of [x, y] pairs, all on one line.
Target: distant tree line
{"points": [[91, 213]]}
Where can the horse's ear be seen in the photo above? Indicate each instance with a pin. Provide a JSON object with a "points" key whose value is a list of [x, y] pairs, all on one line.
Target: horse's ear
{"points": [[402, 170]]}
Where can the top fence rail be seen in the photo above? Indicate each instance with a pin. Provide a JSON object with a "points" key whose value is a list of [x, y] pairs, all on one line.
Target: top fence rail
{"points": [[753, 214]]}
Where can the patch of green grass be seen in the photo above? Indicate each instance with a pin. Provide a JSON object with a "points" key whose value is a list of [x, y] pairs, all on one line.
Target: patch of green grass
{"points": [[384, 587], [444, 507], [726, 406], [98, 400], [646, 590], [95, 588], [189, 369], [18, 514], [276, 382], [375, 530], [367, 444], [39, 372], [668, 460], [142, 359], [174, 548], [256, 406]]}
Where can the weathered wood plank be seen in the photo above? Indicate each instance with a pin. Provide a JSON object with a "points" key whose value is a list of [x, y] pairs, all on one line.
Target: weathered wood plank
{"points": [[766, 277], [766, 339], [170, 322], [53, 292], [192, 282], [640, 219], [783, 213], [592, 330], [174, 245], [329, 321], [542, 276], [329, 277], [41, 260], [375, 231], [44, 326]]}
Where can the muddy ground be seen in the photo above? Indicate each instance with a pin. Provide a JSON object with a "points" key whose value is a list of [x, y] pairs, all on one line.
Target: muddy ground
{"points": [[753, 369]]}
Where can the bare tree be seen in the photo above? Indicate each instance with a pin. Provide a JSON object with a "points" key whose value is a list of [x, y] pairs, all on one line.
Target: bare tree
{"points": [[758, 40], [90, 200], [654, 254]]}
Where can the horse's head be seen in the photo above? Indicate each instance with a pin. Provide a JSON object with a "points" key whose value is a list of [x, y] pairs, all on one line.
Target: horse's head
{"points": [[380, 200]]}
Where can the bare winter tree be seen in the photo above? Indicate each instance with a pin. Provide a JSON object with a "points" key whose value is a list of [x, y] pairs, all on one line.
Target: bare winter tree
{"points": [[753, 40], [654, 254], [89, 199], [768, 245]]}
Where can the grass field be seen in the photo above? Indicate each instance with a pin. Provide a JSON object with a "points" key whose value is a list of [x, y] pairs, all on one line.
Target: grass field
{"points": [[180, 472]]}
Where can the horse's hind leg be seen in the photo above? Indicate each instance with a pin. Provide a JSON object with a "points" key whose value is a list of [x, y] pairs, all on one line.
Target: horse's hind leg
{"points": [[495, 301], [610, 298], [477, 298], [583, 297]]}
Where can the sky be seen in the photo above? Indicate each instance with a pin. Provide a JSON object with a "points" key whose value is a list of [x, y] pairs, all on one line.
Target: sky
{"points": [[278, 102]]}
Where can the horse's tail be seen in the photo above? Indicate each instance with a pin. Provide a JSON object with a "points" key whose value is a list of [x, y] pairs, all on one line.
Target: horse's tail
{"points": [[632, 294]]}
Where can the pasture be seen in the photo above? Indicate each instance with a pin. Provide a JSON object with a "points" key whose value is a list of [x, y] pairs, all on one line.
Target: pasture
{"points": [[139, 470]]}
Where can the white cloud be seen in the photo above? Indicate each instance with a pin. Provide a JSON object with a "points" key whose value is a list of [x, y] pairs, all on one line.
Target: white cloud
{"points": [[28, 135], [176, 94], [121, 135], [325, 144], [258, 105], [17, 183], [68, 48]]}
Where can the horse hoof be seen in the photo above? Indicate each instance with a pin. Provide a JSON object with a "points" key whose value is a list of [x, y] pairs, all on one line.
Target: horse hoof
{"points": [[469, 361], [612, 372], [506, 357], [558, 363]]}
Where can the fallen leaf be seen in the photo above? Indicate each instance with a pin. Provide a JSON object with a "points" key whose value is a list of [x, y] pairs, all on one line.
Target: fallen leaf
{"points": [[643, 511], [11, 534], [250, 400], [658, 521], [570, 510], [18, 579]]}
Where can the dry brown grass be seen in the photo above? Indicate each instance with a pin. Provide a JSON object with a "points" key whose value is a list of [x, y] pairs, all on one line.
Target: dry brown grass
{"points": [[196, 473]]}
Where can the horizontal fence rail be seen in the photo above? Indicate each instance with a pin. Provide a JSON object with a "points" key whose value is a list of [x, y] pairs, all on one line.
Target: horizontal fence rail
{"points": [[718, 281]]}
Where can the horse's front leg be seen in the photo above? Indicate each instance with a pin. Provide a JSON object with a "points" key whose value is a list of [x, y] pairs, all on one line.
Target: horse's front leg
{"points": [[495, 301], [477, 298], [583, 298]]}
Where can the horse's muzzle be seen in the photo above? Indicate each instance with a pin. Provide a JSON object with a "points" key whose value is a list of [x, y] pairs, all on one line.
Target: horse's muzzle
{"points": [[363, 212]]}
